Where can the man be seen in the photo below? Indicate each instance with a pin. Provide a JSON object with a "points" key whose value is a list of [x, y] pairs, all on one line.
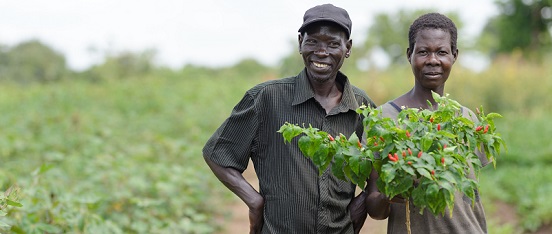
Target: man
{"points": [[293, 198]]}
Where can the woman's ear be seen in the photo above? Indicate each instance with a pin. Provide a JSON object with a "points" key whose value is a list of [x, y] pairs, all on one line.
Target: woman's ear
{"points": [[455, 55], [408, 54]]}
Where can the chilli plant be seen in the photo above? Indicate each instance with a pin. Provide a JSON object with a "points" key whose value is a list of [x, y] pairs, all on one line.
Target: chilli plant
{"points": [[425, 155]]}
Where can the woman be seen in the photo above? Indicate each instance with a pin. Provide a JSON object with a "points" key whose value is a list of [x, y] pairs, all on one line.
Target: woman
{"points": [[432, 51]]}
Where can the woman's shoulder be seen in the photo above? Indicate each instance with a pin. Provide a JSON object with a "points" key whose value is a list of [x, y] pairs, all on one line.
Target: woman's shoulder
{"points": [[468, 113], [390, 109]]}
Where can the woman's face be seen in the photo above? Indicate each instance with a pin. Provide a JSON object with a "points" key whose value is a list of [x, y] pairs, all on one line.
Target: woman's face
{"points": [[432, 58]]}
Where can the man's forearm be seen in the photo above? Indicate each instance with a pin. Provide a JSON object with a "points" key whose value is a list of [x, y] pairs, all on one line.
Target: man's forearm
{"points": [[235, 181]]}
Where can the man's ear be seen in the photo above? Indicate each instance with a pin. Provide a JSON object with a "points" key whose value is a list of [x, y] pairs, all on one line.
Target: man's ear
{"points": [[300, 41], [349, 46]]}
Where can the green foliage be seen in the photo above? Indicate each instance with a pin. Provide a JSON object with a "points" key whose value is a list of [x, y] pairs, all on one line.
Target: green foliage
{"points": [[31, 61], [390, 33], [527, 188], [438, 151], [7, 199], [521, 26], [114, 157], [122, 65], [522, 177]]}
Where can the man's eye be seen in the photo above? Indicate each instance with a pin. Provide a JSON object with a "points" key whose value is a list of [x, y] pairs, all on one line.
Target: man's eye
{"points": [[334, 44], [422, 52]]}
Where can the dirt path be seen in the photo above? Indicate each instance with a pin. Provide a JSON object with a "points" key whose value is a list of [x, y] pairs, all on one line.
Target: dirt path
{"points": [[239, 221]]}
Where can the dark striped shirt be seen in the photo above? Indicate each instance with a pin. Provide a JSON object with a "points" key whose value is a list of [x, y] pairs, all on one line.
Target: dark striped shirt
{"points": [[297, 199]]}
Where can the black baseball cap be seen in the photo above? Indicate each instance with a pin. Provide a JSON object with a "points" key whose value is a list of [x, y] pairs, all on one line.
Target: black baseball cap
{"points": [[327, 12]]}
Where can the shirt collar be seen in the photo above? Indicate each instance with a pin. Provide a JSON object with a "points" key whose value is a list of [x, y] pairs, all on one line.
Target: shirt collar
{"points": [[304, 92]]}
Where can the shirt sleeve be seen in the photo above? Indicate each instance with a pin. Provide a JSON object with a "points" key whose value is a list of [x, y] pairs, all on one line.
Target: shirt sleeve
{"points": [[232, 143]]}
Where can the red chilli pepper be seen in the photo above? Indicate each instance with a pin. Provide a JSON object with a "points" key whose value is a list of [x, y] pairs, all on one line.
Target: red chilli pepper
{"points": [[409, 163], [438, 127], [432, 172], [404, 154], [407, 134], [444, 146], [479, 128], [381, 138], [409, 151], [431, 120], [375, 144], [331, 137], [392, 158], [443, 160], [420, 154], [486, 129], [396, 156]]}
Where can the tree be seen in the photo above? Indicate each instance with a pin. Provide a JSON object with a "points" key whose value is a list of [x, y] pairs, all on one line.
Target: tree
{"points": [[390, 33], [32, 61], [522, 25], [123, 65]]}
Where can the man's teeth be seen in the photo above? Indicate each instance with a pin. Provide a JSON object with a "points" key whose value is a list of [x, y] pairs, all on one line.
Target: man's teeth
{"points": [[320, 65]]}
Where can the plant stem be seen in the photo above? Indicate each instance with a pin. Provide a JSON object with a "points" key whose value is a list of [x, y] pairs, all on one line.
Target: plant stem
{"points": [[408, 216]]}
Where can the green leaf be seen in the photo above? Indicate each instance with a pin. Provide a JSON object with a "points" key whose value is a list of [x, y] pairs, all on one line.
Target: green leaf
{"points": [[365, 168], [447, 175], [319, 157], [4, 225], [493, 116], [305, 146], [338, 165], [408, 169], [289, 131], [404, 184], [424, 172], [13, 203], [48, 228], [354, 162], [427, 141], [446, 134]]}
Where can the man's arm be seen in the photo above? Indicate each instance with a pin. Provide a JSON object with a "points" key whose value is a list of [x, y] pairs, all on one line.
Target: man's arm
{"points": [[357, 209], [235, 181]]}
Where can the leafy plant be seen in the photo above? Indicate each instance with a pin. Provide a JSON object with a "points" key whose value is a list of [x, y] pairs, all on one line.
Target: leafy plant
{"points": [[426, 155], [9, 198]]}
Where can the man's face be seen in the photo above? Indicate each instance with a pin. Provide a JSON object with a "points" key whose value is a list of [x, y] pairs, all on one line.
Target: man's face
{"points": [[432, 58], [323, 47]]}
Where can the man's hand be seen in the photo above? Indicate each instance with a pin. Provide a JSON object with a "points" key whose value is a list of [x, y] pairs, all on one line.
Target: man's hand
{"points": [[256, 219], [358, 211]]}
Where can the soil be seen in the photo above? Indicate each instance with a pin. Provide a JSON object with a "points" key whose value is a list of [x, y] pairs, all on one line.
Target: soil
{"points": [[238, 221]]}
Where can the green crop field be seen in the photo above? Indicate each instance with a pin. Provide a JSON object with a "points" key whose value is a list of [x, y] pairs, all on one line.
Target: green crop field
{"points": [[124, 156]]}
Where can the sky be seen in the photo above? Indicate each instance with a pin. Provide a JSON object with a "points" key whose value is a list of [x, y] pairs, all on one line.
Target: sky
{"points": [[202, 32]]}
